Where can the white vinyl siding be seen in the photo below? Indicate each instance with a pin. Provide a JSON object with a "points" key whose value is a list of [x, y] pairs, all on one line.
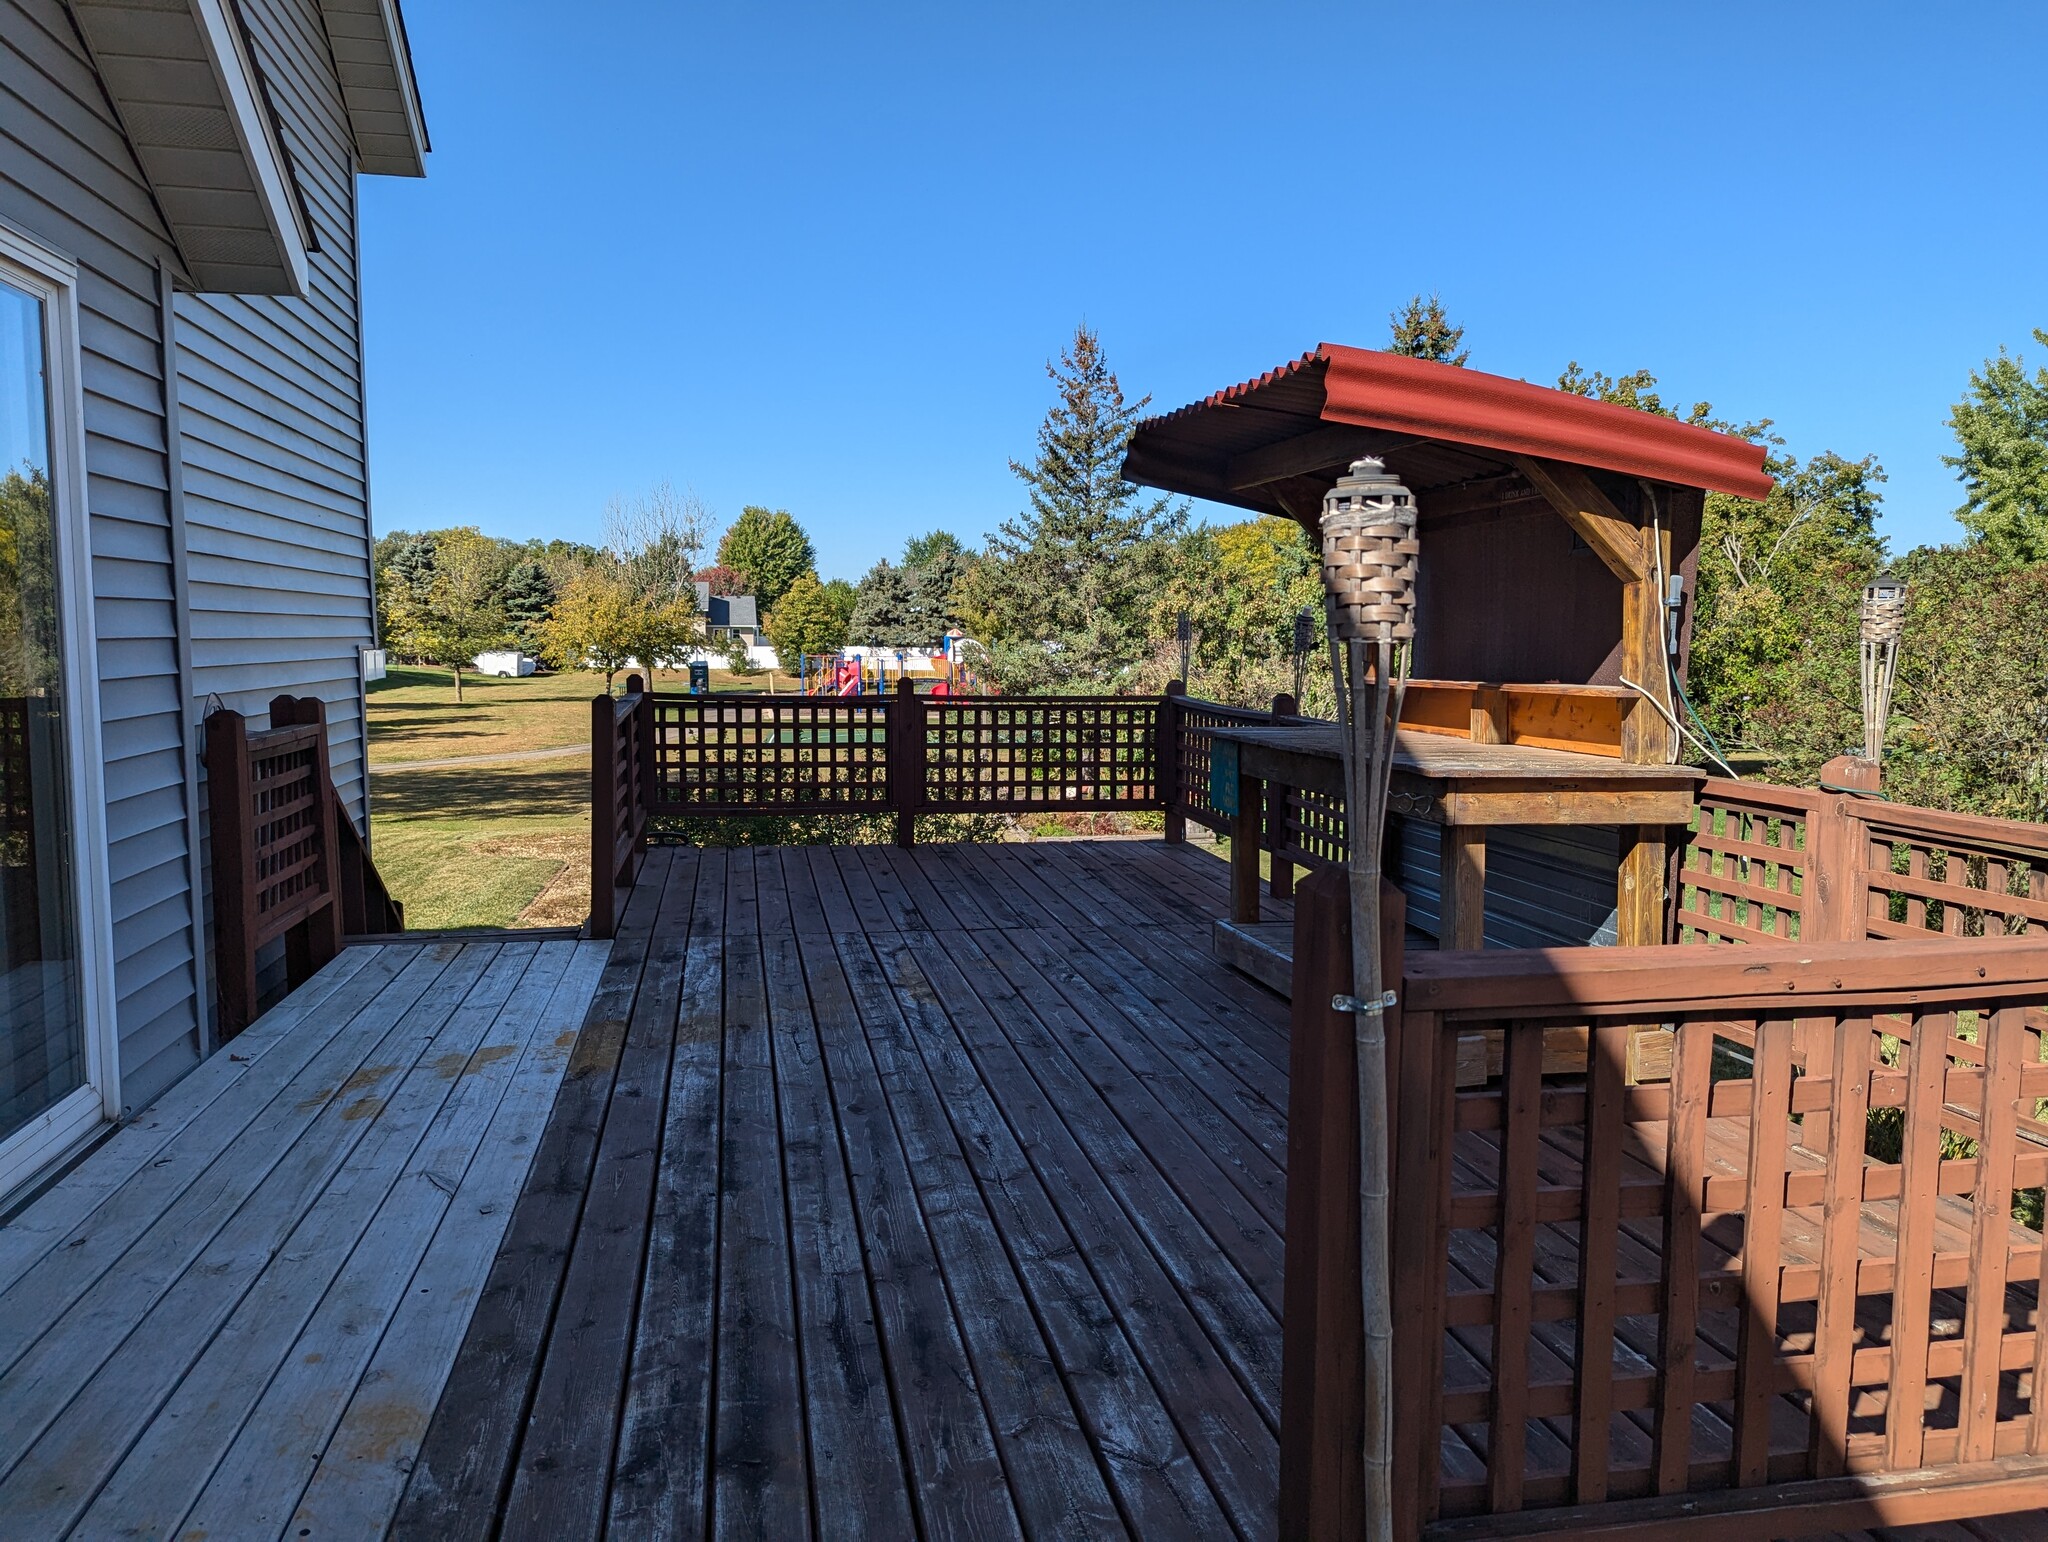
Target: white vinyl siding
{"points": [[73, 182], [271, 413]]}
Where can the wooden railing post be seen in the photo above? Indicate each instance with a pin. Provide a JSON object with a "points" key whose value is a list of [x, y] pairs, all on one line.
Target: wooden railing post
{"points": [[1322, 1410], [604, 802], [1166, 750], [234, 875], [1281, 884], [1247, 835], [906, 759]]}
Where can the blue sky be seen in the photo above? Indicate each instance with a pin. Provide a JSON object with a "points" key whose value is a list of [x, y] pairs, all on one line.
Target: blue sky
{"points": [[817, 256]]}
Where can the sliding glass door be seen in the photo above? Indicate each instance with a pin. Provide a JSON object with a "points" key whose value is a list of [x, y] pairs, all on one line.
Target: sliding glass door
{"points": [[46, 1062]]}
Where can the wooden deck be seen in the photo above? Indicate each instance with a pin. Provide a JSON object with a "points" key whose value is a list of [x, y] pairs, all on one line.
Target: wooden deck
{"points": [[936, 1194], [234, 1318]]}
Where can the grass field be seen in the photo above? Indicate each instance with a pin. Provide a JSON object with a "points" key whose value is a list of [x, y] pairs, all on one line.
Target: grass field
{"points": [[490, 845]]}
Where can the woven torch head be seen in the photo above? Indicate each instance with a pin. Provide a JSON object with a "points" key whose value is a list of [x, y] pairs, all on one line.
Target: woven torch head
{"points": [[1369, 551], [1884, 609]]}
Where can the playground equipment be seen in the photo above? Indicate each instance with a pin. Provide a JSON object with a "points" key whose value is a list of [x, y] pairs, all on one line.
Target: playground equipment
{"points": [[954, 670]]}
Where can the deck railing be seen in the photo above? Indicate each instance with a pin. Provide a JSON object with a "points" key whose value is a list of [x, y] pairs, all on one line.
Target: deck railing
{"points": [[287, 860], [1778, 864], [1715, 1294]]}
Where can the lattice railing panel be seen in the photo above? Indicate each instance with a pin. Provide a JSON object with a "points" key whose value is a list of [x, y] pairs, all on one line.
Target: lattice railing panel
{"points": [[1313, 833], [1742, 870], [983, 753], [1191, 750], [286, 829], [770, 755], [1823, 1265], [1953, 875]]}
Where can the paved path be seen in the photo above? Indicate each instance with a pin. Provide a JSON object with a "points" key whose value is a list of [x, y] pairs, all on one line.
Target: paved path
{"points": [[456, 763]]}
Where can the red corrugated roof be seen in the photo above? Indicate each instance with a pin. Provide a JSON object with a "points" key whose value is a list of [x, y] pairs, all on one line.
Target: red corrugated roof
{"points": [[1373, 389]]}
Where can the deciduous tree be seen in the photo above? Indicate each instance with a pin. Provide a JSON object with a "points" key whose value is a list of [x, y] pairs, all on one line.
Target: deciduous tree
{"points": [[769, 551], [812, 618], [459, 611]]}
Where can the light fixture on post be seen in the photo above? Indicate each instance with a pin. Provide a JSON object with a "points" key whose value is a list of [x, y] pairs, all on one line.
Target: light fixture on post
{"points": [[1369, 564], [1304, 645], [1884, 621]]}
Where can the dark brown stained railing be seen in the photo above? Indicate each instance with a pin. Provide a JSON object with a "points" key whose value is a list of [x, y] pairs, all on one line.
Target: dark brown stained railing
{"points": [[282, 864], [1774, 864], [1698, 1295], [622, 776]]}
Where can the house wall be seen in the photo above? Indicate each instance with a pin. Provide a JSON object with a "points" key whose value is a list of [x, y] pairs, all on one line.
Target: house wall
{"points": [[72, 181], [271, 411], [268, 403]]}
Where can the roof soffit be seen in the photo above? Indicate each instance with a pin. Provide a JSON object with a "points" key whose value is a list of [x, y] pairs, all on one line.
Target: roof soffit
{"points": [[191, 104], [373, 62]]}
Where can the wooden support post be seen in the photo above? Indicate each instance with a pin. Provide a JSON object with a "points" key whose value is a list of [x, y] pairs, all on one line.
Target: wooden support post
{"points": [[1166, 757], [1639, 921], [906, 759], [1461, 920], [604, 801], [1246, 833], [1322, 1411], [1281, 884], [234, 876]]}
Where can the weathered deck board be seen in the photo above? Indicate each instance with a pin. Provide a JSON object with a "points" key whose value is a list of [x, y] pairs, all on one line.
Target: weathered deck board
{"points": [[960, 1219], [191, 1310]]}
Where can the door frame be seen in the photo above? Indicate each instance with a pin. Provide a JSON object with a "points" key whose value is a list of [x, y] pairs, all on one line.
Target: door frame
{"points": [[50, 275]]}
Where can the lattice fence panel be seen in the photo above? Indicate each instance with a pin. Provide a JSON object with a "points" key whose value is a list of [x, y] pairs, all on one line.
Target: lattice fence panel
{"points": [[1817, 1274], [996, 753], [769, 755], [1314, 832], [285, 795], [1191, 750], [1742, 873], [1917, 883]]}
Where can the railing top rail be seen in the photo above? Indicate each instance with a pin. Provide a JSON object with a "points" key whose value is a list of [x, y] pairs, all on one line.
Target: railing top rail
{"points": [[1764, 795], [276, 741], [1907, 820], [1794, 979]]}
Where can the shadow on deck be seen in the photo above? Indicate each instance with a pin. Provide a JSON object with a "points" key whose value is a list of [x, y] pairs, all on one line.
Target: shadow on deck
{"points": [[934, 1193]]}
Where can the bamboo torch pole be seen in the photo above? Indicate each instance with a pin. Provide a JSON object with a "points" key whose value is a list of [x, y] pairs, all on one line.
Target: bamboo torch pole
{"points": [[1369, 561]]}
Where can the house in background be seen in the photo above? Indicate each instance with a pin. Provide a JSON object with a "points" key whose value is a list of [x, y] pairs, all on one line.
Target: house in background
{"points": [[730, 618], [185, 490]]}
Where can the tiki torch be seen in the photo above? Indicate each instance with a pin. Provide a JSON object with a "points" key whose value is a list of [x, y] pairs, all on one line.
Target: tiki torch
{"points": [[1884, 619], [1369, 557], [1304, 644]]}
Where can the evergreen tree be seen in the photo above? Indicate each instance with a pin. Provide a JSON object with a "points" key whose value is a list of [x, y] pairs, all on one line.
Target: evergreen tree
{"points": [[769, 550], [1072, 576], [2001, 429], [935, 564], [529, 598], [884, 614], [1422, 330]]}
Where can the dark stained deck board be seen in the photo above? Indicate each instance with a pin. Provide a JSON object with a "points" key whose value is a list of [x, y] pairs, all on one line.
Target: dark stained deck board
{"points": [[1054, 1477], [935, 1194], [856, 1467], [560, 1488], [659, 1484], [464, 1467]]}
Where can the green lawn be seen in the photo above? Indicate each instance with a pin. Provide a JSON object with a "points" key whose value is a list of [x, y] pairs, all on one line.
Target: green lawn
{"points": [[489, 845]]}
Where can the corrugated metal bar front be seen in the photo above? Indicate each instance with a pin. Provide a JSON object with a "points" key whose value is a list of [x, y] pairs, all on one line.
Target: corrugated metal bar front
{"points": [[1546, 885]]}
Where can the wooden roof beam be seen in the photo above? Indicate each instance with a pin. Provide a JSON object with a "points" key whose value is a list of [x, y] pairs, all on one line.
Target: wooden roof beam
{"points": [[1317, 450], [1615, 538]]}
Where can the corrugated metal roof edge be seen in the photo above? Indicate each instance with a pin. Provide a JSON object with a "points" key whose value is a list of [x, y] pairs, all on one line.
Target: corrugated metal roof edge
{"points": [[1468, 406]]}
